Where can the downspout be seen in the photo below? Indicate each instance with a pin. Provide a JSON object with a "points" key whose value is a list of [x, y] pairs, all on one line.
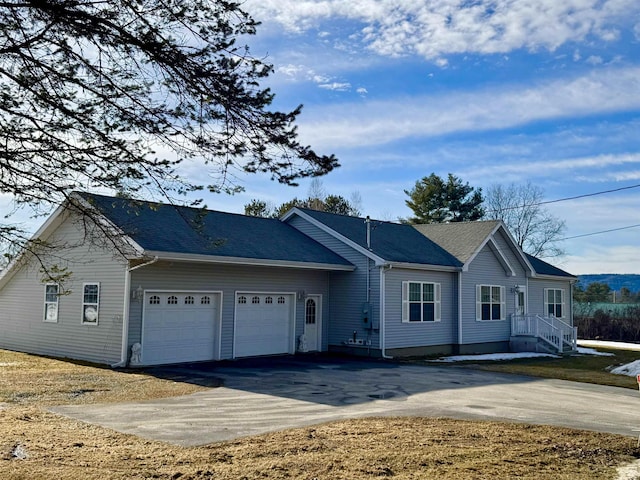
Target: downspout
{"points": [[124, 352], [382, 312], [460, 337]]}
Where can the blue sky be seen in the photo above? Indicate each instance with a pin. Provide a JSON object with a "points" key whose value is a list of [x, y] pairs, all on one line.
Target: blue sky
{"points": [[492, 91], [498, 91]]}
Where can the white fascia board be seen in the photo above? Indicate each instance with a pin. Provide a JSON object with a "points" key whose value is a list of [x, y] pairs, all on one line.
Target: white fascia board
{"points": [[516, 247], [250, 262], [508, 269], [421, 266], [294, 211]]}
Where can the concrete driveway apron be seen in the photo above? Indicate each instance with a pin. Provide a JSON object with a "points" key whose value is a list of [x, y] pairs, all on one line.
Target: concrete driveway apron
{"points": [[258, 396]]}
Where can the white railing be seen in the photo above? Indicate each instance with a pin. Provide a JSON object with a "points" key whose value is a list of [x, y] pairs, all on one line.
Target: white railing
{"points": [[550, 329]]}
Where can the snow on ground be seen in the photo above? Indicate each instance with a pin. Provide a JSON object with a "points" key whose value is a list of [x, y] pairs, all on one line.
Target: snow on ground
{"points": [[493, 356], [513, 356], [591, 351], [631, 369], [604, 344]]}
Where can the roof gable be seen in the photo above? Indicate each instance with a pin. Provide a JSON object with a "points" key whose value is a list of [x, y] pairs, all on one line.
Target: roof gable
{"points": [[462, 239], [392, 242], [160, 227]]}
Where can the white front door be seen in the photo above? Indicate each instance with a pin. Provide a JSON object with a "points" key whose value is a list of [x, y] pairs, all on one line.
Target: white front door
{"points": [[521, 300], [312, 322]]}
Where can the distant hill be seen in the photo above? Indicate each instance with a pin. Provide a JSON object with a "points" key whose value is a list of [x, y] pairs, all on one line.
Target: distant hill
{"points": [[615, 280]]}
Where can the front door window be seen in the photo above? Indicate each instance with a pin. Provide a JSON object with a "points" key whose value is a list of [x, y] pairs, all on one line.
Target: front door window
{"points": [[520, 301]]}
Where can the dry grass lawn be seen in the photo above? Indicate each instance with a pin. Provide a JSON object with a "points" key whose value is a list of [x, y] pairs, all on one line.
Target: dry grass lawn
{"points": [[36, 444]]}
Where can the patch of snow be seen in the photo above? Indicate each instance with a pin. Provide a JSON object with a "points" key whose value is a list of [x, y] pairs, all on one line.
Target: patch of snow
{"points": [[607, 344], [493, 356], [591, 351], [19, 452], [630, 471], [631, 369]]}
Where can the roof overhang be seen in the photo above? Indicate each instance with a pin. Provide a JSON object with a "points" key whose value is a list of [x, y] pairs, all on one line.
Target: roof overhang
{"points": [[253, 262], [419, 266], [59, 215], [557, 278]]}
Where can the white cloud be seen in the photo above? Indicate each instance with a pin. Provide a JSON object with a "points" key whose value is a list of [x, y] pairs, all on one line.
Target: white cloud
{"points": [[376, 123], [336, 86], [594, 60], [531, 168], [602, 258], [362, 91], [444, 27]]}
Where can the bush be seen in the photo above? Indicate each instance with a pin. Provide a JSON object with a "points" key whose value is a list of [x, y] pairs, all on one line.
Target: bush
{"points": [[619, 324]]}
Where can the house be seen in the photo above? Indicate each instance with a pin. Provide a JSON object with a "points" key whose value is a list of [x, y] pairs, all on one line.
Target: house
{"points": [[156, 284]]}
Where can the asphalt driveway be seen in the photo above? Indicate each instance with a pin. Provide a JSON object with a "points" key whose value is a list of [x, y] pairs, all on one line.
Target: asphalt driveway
{"points": [[258, 396]]}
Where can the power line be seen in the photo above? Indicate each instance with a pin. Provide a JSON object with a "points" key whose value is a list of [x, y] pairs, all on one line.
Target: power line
{"points": [[602, 231], [565, 199]]}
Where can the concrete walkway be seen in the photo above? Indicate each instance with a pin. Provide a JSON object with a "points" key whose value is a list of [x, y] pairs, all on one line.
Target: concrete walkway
{"points": [[268, 395]]}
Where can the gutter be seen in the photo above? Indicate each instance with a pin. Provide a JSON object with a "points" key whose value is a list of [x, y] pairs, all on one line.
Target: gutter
{"points": [[124, 352]]}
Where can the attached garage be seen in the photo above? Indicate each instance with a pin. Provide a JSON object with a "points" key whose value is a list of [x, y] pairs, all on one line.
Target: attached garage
{"points": [[264, 324], [180, 327]]}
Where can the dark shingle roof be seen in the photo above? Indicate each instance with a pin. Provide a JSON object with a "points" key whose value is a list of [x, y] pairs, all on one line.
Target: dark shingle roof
{"points": [[543, 268], [173, 229], [392, 242]]}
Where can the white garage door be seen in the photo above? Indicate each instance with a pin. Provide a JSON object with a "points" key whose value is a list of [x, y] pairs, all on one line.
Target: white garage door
{"points": [[179, 327], [264, 324]]}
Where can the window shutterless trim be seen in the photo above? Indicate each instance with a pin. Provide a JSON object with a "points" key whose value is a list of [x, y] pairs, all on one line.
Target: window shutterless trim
{"points": [[51, 311], [406, 302], [491, 303], [555, 303], [90, 308]]}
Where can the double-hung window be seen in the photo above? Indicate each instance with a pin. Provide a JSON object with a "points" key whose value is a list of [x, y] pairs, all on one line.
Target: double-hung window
{"points": [[90, 303], [51, 301], [420, 302], [554, 302], [490, 304]]}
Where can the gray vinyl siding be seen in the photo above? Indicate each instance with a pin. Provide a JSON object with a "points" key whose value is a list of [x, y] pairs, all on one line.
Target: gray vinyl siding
{"points": [[229, 279], [536, 289], [415, 334], [22, 304], [348, 290], [486, 269]]}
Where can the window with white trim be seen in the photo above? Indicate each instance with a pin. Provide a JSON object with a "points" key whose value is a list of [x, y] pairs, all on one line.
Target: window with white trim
{"points": [[490, 304], [554, 302], [51, 301], [420, 302], [90, 303]]}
